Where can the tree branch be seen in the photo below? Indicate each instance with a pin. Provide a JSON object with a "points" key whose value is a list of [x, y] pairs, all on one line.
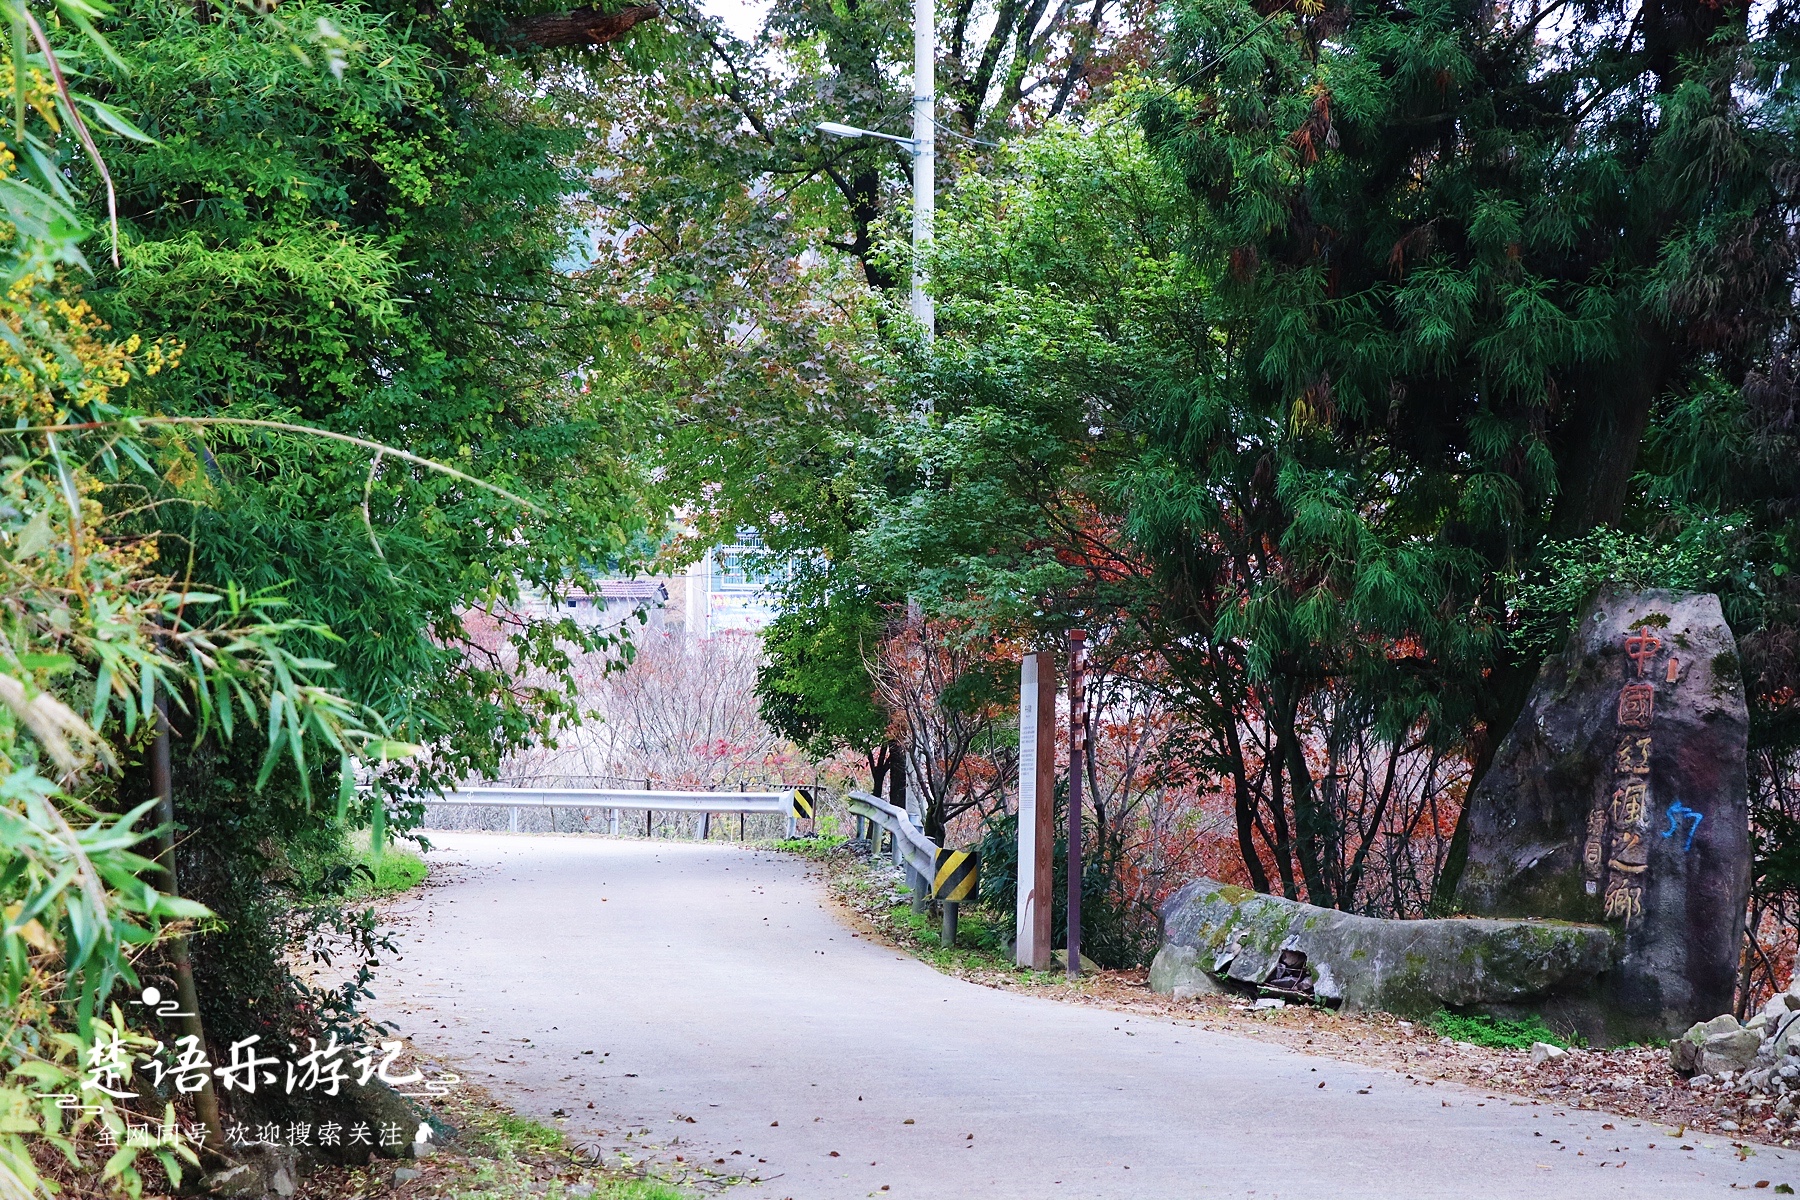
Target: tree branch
{"points": [[581, 27]]}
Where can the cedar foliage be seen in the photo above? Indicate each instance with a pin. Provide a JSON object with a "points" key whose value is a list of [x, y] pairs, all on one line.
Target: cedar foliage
{"points": [[1466, 256]]}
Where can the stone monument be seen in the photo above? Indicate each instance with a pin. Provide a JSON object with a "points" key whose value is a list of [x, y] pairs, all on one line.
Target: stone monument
{"points": [[1619, 797]]}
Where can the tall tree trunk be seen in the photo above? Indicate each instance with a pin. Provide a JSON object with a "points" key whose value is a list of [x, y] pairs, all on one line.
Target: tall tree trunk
{"points": [[881, 760], [1598, 453], [1308, 835], [1284, 842], [1245, 802], [896, 777], [1599, 442]]}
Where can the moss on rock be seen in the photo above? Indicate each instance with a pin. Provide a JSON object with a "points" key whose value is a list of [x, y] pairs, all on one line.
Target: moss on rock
{"points": [[1412, 968]]}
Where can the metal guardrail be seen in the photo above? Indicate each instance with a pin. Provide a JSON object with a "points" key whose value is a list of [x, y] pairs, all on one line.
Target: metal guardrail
{"points": [[876, 820], [911, 848], [616, 802], [931, 871]]}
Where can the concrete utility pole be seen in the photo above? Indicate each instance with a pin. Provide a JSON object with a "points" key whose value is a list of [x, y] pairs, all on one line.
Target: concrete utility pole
{"points": [[923, 147], [924, 155], [1037, 809]]}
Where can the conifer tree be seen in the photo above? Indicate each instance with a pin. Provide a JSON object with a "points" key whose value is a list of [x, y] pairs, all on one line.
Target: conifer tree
{"points": [[1465, 252]]}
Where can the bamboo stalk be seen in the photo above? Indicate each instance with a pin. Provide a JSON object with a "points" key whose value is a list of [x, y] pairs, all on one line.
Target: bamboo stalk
{"points": [[206, 1103]]}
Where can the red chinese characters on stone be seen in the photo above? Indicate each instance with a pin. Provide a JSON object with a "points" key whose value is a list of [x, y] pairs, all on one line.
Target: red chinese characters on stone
{"points": [[1637, 704], [1625, 870], [1640, 647]]}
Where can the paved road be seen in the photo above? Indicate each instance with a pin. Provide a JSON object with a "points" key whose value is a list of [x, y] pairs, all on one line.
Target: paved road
{"points": [[712, 983]]}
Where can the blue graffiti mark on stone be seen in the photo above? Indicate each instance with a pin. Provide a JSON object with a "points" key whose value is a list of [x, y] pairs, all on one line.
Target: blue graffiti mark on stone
{"points": [[1679, 812]]}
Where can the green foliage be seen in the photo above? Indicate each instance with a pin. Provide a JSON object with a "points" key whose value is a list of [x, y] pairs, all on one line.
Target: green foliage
{"points": [[1491, 320], [1495, 1033], [816, 848], [1115, 931], [511, 1142], [394, 872], [374, 251], [1708, 552], [814, 684], [354, 217], [511, 1133]]}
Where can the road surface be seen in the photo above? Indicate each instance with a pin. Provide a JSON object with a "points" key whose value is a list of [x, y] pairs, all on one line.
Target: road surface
{"points": [[730, 1015]]}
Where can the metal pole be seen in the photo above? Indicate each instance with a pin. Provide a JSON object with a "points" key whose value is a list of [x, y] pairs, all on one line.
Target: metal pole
{"points": [[1077, 744], [949, 936], [512, 819], [741, 827], [705, 827], [924, 155], [612, 823], [648, 815]]}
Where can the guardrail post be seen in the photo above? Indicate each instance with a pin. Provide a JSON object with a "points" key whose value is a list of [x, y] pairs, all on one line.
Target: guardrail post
{"points": [[612, 823], [741, 828], [512, 819], [920, 901], [953, 880], [705, 827], [648, 816]]}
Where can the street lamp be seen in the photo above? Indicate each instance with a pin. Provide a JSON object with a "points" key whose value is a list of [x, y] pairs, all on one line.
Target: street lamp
{"points": [[838, 129], [923, 147]]}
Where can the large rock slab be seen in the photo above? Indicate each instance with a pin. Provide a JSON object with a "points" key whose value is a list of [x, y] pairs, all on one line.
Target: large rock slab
{"points": [[1620, 797], [1213, 930]]}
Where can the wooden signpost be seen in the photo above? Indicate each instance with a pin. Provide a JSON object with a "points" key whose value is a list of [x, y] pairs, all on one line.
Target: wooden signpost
{"points": [[1077, 766], [1037, 808]]}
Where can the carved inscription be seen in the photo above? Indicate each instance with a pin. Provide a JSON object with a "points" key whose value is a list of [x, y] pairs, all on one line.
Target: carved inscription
{"points": [[1633, 757], [1616, 856], [1640, 647], [1637, 705]]}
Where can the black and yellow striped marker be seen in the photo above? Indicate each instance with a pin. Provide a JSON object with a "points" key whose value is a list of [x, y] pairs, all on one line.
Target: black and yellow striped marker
{"points": [[802, 805], [955, 876]]}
